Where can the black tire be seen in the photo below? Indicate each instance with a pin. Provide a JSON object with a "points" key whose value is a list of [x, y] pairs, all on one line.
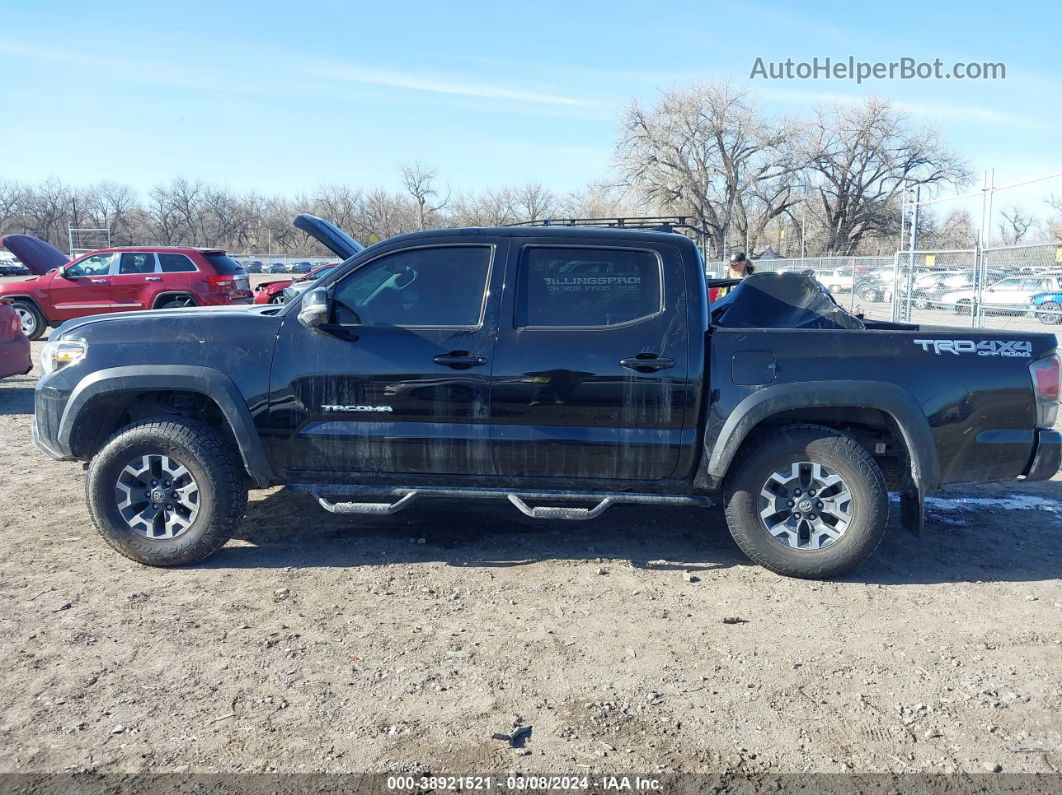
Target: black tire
{"points": [[765, 453], [212, 461], [866, 293], [177, 302], [28, 309], [1049, 313], [277, 298]]}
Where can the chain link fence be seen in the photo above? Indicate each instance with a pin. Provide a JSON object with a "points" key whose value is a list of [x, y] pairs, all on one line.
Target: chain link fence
{"points": [[1017, 288], [862, 285]]}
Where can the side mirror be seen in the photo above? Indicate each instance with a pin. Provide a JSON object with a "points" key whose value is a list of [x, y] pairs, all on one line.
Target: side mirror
{"points": [[314, 309]]}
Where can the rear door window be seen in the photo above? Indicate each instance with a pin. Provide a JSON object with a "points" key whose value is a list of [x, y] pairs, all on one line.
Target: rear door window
{"points": [[176, 263], [587, 287], [137, 262]]}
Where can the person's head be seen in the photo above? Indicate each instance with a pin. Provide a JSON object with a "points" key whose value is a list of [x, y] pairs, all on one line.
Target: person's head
{"points": [[739, 265]]}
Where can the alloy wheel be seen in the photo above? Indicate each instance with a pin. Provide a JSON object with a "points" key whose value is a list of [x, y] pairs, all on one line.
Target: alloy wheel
{"points": [[805, 506], [28, 320], [157, 496]]}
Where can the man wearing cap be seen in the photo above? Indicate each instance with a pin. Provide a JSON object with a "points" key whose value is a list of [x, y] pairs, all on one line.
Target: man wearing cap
{"points": [[739, 268]]}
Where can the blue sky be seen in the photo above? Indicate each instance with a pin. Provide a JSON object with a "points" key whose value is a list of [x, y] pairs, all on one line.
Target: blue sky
{"points": [[281, 98]]}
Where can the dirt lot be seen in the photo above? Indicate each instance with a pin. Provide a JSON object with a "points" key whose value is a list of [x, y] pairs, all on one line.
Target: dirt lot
{"points": [[403, 643]]}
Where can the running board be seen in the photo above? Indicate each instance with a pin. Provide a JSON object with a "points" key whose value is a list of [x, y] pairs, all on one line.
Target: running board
{"points": [[393, 500]]}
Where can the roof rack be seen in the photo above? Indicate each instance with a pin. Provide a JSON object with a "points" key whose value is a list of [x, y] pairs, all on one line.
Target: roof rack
{"points": [[658, 223]]}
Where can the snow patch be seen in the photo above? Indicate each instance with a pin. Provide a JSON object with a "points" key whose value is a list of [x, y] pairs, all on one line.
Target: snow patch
{"points": [[1018, 502]]}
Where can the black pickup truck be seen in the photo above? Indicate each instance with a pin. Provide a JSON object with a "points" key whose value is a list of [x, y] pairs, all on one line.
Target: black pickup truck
{"points": [[565, 369]]}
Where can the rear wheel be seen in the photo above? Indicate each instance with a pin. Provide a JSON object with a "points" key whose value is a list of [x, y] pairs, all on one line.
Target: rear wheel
{"points": [[176, 302], [1049, 313], [167, 492], [32, 319], [806, 501]]}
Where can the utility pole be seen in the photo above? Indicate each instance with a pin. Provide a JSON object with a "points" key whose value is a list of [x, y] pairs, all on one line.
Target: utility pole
{"points": [[911, 258]]}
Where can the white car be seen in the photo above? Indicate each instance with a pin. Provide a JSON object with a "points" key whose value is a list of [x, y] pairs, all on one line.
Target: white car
{"points": [[1012, 294], [839, 280]]}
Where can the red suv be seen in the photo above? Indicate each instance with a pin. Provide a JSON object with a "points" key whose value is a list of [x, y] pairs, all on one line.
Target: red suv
{"points": [[118, 280]]}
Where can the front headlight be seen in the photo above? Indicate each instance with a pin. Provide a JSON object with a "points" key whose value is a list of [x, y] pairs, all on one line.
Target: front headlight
{"points": [[59, 353]]}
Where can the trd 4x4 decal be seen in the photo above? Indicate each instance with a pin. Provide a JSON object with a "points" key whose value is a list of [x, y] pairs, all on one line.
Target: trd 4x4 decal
{"points": [[1019, 349]]}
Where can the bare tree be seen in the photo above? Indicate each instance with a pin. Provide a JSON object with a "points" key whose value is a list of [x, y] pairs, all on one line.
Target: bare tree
{"points": [[112, 206], [11, 198], [861, 158], [601, 199], [420, 182], [1015, 224], [46, 211], [707, 151], [533, 202], [956, 230]]}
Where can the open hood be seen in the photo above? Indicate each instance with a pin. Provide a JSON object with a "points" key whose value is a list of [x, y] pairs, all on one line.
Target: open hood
{"points": [[36, 254], [329, 235]]}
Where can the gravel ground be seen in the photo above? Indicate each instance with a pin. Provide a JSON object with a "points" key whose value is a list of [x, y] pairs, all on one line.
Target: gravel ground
{"points": [[642, 641]]}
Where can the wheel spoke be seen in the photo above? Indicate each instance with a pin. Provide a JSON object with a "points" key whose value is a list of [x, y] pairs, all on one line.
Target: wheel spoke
{"points": [[188, 496]]}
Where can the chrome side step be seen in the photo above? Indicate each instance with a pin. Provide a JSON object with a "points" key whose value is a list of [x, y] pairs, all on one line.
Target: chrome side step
{"points": [[393, 500]]}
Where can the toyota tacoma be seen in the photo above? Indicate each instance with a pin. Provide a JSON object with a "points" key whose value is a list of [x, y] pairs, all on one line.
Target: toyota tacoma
{"points": [[564, 369]]}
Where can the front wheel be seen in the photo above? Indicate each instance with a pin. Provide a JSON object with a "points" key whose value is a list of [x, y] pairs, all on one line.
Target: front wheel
{"points": [[167, 492], [277, 298], [31, 319], [806, 501]]}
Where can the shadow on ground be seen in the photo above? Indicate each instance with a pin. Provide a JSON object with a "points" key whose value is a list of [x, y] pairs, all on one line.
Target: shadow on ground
{"points": [[16, 400], [289, 529]]}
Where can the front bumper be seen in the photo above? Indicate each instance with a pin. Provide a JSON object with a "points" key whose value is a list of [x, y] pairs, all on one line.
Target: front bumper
{"points": [[49, 400], [1048, 456]]}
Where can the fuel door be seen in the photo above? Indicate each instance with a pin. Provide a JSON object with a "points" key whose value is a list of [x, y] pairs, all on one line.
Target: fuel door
{"points": [[753, 368]]}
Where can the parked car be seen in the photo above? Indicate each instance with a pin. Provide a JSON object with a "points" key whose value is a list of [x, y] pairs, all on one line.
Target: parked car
{"points": [[1047, 307], [14, 347], [299, 286], [254, 266], [872, 286], [1012, 295], [837, 280], [273, 292], [13, 269], [118, 280], [277, 267], [495, 362], [301, 267]]}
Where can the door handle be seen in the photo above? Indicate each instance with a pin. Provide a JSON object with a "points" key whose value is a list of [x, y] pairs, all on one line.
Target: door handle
{"points": [[153, 279], [647, 363], [98, 281], [460, 360]]}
